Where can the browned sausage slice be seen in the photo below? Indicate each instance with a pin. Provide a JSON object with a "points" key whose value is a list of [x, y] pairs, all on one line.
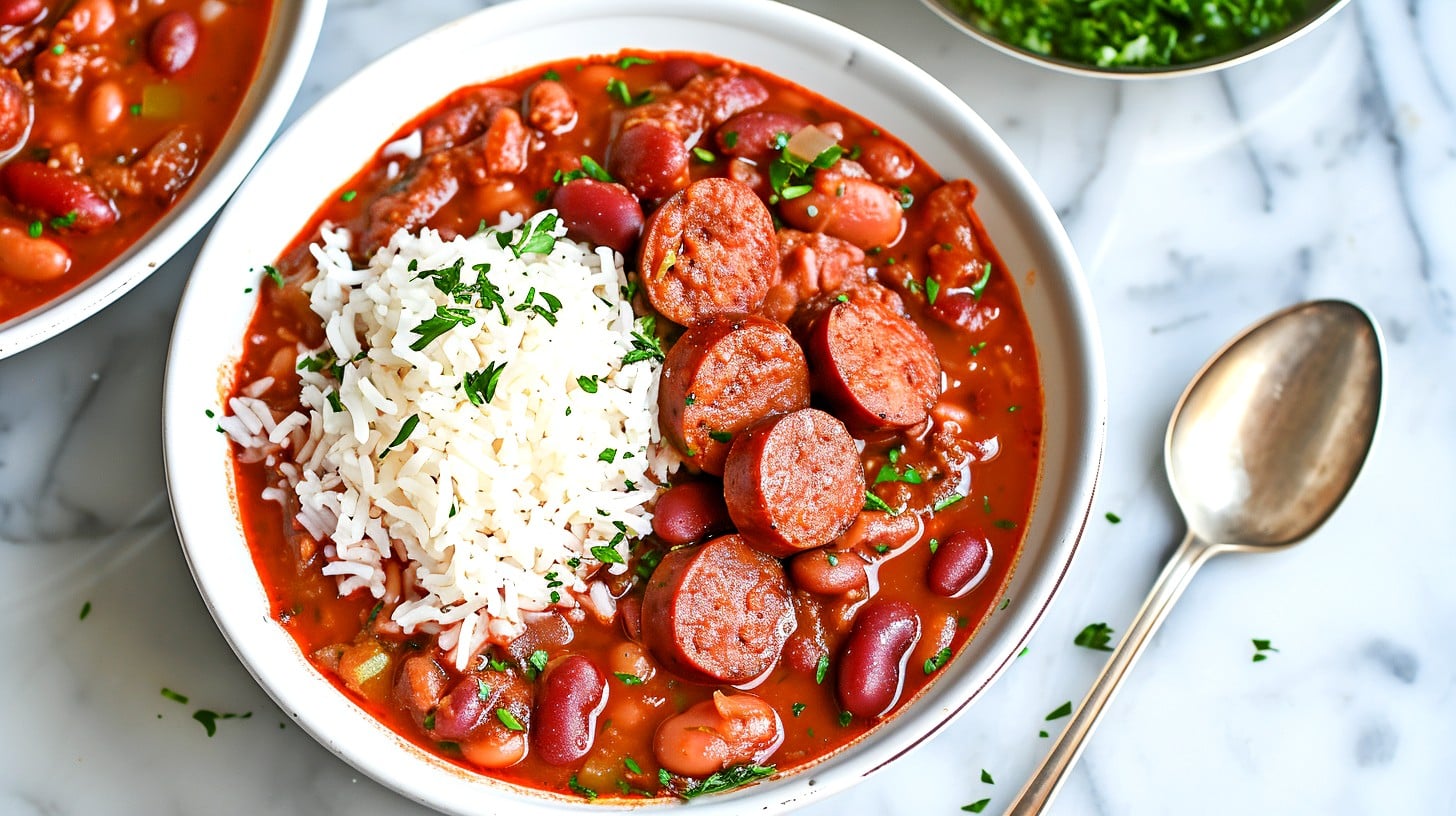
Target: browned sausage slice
{"points": [[710, 249], [718, 612], [874, 367], [794, 482], [724, 374]]}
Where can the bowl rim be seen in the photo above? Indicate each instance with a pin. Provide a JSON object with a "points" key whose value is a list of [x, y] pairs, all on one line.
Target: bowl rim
{"points": [[288, 48], [1238, 56], [766, 20]]}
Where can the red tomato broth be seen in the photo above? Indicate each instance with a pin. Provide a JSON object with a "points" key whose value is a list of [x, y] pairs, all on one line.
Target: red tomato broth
{"points": [[998, 385], [203, 96]]}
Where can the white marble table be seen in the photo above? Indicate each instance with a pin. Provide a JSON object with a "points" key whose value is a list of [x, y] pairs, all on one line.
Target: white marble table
{"points": [[1327, 169]]}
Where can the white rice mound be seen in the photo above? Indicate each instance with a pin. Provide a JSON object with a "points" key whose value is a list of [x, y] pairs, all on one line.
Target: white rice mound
{"points": [[492, 510]]}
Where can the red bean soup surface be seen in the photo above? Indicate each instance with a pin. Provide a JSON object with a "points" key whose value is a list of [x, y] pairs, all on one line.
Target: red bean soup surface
{"points": [[108, 109], [844, 314]]}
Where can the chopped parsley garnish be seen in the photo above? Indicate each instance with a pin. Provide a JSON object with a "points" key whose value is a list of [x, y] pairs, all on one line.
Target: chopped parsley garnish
{"points": [[334, 403], [627, 62], [789, 175], [873, 502], [537, 237], [607, 455], [349, 195], [607, 555], [575, 786], [174, 696], [645, 345], [932, 289], [721, 436], [977, 347], [497, 665], [845, 718], [444, 320], [536, 663], [589, 169], [551, 75], [797, 708], [482, 690], [947, 501], [209, 718], [934, 545], [272, 272], [429, 723], [1095, 636], [832, 559], [85, 610], [480, 385], [374, 613], [1114, 518], [721, 781], [631, 764], [730, 139], [1043, 735], [821, 669], [629, 679], [588, 384], [404, 433], [889, 474], [35, 229], [1005, 602], [907, 198], [704, 155], [1061, 711], [617, 89], [1024, 650], [64, 221], [937, 662], [509, 720], [976, 806], [986, 777], [979, 287], [1261, 647], [1004, 524]]}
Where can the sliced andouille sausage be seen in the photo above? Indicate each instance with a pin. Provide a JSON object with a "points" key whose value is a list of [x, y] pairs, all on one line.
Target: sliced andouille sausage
{"points": [[793, 482], [704, 102], [718, 612], [465, 118], [874, 367], [724, 374], [710, 249]]}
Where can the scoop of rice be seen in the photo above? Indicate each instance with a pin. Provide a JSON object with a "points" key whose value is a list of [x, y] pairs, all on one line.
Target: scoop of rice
{"points": [[484, 411]]}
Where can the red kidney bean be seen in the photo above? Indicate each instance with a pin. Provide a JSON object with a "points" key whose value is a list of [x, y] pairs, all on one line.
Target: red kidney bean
{"points": [[690, 512], [629, 614], [677, 71], [463, 709], [87, 21], [599, 212], [829, 572], [21, 12], [959, 563], [31, 259], [714, 734], [573, 694], [173, 42], [57, 193], [649, 160], [754, 132], [420, 684], [873, 529], [872, 665]]}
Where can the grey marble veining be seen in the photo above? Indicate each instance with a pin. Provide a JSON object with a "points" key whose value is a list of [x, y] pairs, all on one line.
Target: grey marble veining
{"points": [[1197, 205]]}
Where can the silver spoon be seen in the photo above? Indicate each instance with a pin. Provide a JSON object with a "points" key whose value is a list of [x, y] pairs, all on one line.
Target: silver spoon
{"points": [[1261, 448]]}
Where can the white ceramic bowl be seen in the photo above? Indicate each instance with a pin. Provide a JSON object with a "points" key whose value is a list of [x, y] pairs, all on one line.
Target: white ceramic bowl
{"points": [[291, 37], [317, 154]]}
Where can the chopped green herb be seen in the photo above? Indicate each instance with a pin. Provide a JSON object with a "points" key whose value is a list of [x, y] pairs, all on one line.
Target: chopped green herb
{"points": [[845, 718], [730, 139], [1024, 650], [977, 347], [704, 155], [979, 287], [721, 436], [575, 786], [349, 195], [588, 384], [536, 238], [429, 722], [629, 679], [932, 289], [58, 49], [721, 781], [821, 669], [174, 696], [482, 690], [627, 62], [937, 662], [1061, 711], [85, 610], [209, 718], [607, 555], [1261, 647], [334, 403], [882, 548], [444, 320], [645, 345], [1114, 518], [480, 385], [551, 75], [272, 272], [1005, 602], [690, 400], [976, 806], [631, 764], [538, 660], [374, 613], [607, 455], [873, 502], [36, 229], [497, 665], [907, 198], [832, 559], [1043, 735], [934, 545], [797, 708], [136, 109], [509, 720], [1004, 524], [842, 298], [947, 501], [404, 433], [617, 89], [64, 221], [1095, 636]]}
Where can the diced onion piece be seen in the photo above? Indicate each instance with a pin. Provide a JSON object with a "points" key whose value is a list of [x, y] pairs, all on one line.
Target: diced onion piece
{"points": [[161, 102], [809, 142], [211, 10]]}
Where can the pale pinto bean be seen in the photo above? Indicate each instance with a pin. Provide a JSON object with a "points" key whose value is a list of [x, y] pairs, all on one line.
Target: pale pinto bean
{"points": [[31, 259], [496, 750], [630, 658], [105, 106], [714, 734], [937, 633]]}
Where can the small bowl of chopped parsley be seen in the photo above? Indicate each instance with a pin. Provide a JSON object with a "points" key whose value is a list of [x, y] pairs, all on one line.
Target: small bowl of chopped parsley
{"points": [[1135, 38]]}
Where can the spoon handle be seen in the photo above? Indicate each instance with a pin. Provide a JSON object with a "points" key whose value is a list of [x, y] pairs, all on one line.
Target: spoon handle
{"points": [[1047, 781]]}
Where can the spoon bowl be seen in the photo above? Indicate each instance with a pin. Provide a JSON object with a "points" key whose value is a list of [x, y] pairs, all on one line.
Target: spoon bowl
{"points": [[1264, 443], [1270, 434]]}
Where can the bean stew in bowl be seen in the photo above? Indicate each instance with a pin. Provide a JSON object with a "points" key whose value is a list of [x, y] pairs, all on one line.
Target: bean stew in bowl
{"points": [[635, 425], [112, 115]]}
